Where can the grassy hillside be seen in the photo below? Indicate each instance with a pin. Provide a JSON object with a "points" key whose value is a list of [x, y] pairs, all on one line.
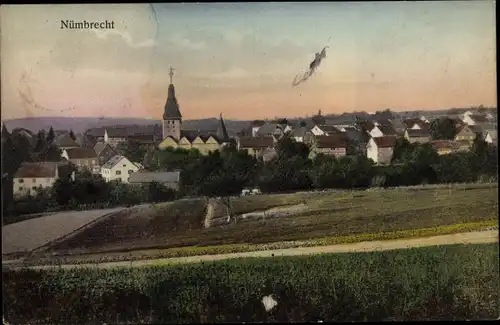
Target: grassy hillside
{"points": [[180, 223], [440, 283]]}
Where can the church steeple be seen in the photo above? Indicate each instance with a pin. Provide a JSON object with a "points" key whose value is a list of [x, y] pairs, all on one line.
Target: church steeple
{"points": [[172, 118], [172, 111]]}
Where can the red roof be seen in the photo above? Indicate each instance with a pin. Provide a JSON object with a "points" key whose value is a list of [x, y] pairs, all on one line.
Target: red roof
{"points": [[328, 141], [37, 170], [81, 153], [385, 142]]}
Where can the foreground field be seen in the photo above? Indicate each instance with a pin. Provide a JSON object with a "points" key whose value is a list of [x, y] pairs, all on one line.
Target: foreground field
{"points": [[449, 282], [180, 224]]}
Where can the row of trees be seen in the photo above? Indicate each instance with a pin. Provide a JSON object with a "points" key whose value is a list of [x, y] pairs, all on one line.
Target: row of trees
{"points": [[89, 191]]}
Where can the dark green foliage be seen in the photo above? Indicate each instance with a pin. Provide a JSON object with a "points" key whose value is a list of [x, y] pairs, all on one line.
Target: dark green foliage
{"points": [[50, 136], [439, 283], [443, 129]]}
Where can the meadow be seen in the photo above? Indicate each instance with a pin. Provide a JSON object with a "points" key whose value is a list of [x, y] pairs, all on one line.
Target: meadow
{"points": [[455, 282], [351, 215]]}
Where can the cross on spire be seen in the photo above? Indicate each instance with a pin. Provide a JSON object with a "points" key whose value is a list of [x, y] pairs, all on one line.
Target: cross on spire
{"points": [[171, 73]]}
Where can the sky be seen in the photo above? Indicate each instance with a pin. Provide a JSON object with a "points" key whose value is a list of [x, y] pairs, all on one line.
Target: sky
{"points": [[240, 59]]}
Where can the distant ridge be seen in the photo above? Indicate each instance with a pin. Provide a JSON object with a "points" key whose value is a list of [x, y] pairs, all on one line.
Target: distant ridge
{"points": [[81, 124]]}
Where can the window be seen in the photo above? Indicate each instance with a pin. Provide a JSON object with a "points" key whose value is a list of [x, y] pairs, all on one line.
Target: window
{"points": [[33, 188], [124, 165], [93, 161], [130, 171], [34, 180], [21, 188], [118, 172], [21, 180]]}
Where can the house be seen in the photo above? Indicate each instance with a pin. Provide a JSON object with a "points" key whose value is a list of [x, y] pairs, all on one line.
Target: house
{"points": [[167, 179], [332, 145], [417, 135], [424, 119], [27, 134], [82, 158], [398, 125], [268, 154], [444, 147], [468, 133], [273, 129], [382, 131], [256, 146], [118, 168], [416, 124], [475, 119], [85, 140], [490, 136], [64, 141], [104, 152], [255, 126], [301, 134], [201, 142], [381, 149], [31, 177], [325, 130]]}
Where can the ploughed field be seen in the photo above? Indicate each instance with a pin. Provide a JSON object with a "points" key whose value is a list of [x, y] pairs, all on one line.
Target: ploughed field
{"points": [[336, 213]]}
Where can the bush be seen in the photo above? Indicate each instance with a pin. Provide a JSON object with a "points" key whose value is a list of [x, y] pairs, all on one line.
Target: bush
{"points": [[449, 282]]}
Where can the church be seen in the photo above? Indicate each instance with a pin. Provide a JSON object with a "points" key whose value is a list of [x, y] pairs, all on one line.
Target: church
{"points": [[175, 136], [170, 133]]}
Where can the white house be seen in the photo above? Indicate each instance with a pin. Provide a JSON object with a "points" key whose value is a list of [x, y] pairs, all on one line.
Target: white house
{"points": [[118, 168], [31, 177], [475, 119], [301, 134], [376, 132], [424, 119], [381, 131], [380, 149], [490, 136], [318, 130]]}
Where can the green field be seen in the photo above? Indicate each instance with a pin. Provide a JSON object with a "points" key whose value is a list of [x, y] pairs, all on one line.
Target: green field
{"points": [[334, 214], [438, 283]]}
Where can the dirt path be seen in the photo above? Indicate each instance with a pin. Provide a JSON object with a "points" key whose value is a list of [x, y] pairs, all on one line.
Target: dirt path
{"points": [[481, 237]]}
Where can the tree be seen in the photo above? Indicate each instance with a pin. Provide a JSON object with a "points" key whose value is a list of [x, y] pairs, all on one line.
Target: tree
{"points": [[41, 142], [62, 191], [50, 135], [72, 135], [402, 150], [217, 175], [134, 151], [443, 129]]}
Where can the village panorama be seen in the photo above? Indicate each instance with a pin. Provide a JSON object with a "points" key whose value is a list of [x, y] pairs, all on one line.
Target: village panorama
{"points": [[206, 164]]}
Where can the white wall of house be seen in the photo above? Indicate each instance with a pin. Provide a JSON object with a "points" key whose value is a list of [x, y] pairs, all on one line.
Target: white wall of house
{"points": [[376, 133], [488, 138], [416, 127], [378, 155], [120, 171], [255, 129], [26, 186], [424, 119], [317, 131], [372, 150]]}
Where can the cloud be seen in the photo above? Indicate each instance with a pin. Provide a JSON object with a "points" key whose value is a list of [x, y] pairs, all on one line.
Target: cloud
{"points": [[125, 36]]}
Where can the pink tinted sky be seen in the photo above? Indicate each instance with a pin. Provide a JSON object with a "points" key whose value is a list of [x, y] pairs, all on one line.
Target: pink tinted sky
{"points": [[240, 58]]}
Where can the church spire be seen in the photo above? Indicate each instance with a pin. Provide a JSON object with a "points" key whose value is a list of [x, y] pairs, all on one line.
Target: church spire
{"points": [[171, 111]]}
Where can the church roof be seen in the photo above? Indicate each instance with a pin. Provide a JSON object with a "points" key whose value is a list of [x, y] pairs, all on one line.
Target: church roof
{"points": [[172, 111]]}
